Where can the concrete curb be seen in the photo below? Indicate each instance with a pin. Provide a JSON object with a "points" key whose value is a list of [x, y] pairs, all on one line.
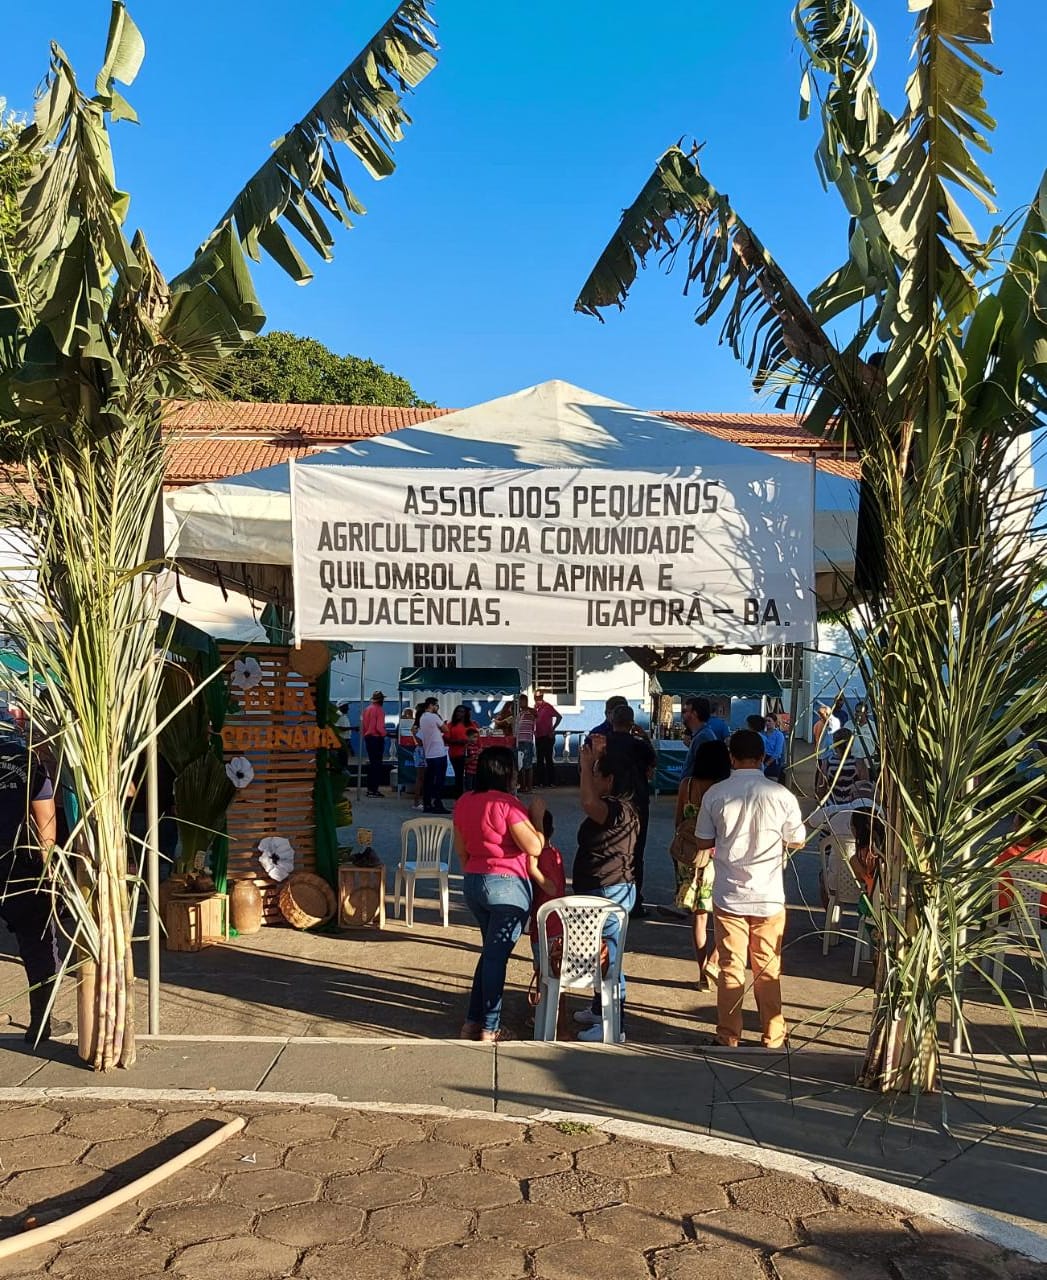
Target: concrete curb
{"points": [[960, 1217]]}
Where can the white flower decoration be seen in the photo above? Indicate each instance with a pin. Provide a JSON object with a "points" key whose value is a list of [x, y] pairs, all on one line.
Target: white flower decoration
{"points": [[240, 772], [276, 856], [247, 673]]}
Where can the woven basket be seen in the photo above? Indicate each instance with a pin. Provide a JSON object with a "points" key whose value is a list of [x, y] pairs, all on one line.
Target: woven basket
{"points": [[310, 660], [307, 900]]}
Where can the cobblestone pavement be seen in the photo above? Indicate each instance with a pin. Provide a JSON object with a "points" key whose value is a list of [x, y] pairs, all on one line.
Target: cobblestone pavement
{"points": [[324, 1193]]}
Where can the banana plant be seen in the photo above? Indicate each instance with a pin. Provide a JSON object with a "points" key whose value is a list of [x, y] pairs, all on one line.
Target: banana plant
{"points": [[92, 339], [925, 351]]}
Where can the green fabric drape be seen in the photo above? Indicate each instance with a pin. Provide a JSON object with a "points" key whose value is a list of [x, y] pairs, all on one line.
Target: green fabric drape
{"points": [[326, 836], [275, 624]]}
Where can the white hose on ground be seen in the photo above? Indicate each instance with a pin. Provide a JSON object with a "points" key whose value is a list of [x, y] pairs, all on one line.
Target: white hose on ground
{"points": [[62, 1226]]}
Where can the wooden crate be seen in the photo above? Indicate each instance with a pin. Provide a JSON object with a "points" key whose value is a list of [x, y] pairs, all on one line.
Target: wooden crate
{"points": [[361, 897], [196, 920]]}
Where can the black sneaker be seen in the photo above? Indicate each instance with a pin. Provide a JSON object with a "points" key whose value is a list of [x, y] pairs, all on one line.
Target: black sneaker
{"points": [[51, 1030]]}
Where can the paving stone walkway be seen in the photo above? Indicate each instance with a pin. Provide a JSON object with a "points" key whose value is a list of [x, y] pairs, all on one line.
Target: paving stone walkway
{"points": [[326, 1193]]}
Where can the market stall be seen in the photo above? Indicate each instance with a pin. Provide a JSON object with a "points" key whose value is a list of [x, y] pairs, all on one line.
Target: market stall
{"points": [[487, 684], [732, 695]]}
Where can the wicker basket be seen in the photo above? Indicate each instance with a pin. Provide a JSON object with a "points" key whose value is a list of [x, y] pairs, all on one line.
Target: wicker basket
{"points": [[311, 659], [307, 900]]}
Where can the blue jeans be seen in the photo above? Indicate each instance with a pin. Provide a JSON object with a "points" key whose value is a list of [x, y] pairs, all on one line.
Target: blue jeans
{"points": [[433, 787], [501, 905], [625, 896]]}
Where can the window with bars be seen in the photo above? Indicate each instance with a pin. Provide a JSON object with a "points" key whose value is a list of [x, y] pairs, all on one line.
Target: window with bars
{"points": [[553, 670], [434, 655]]}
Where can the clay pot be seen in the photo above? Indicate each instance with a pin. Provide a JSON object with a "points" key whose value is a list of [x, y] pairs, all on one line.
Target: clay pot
{"points": [[173, 884], [245, 907]]}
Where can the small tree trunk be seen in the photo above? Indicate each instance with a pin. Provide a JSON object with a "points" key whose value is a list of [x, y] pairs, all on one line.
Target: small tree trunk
{"points": [[105, 994], [898, 1057], [87, 1010]]}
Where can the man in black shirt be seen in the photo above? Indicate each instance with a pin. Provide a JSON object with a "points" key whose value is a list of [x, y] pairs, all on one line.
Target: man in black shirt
{"points": [[628, 742], [605, 727], [28, 827]]}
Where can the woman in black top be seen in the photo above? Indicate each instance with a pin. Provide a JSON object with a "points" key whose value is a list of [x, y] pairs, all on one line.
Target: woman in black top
{"points": [[603, 865]]}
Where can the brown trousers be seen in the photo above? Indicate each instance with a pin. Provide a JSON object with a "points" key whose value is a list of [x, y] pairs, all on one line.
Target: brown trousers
{"points": [[757, 939]]}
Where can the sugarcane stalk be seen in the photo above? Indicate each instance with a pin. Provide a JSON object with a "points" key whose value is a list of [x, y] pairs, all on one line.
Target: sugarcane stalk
{"points": [[104, 973]]}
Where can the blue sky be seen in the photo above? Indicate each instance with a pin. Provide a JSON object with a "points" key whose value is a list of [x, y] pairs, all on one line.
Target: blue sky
{"points": [[540, 123]]}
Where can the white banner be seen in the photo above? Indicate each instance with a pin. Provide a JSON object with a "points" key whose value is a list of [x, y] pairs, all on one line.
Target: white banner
{"points": [[555, 556]]}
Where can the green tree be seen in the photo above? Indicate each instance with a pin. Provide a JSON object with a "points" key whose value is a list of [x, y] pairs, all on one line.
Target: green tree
{"points": [[92, 340], [938, 382], [282, 368]]}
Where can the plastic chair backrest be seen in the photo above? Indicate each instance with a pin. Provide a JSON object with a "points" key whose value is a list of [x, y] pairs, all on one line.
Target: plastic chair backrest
{"points": [[826, 846], [428, 835], [840, 879], [1028, 881], [583, 919]]}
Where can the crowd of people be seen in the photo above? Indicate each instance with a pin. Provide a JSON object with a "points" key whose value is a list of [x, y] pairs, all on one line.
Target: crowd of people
{"points": [[454, 745], [741, 824], [734, 825]]}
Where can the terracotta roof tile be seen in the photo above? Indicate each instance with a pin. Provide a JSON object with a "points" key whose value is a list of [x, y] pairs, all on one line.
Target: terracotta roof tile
{"points": [[334, 422], [775, 426], [193, 462], [215, 439], [849, 469]]}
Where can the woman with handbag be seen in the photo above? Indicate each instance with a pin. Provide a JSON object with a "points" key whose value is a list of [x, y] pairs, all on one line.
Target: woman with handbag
{"points": [[694, 868], [604, 863]]}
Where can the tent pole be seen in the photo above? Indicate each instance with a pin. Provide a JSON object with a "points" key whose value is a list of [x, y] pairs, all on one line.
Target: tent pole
{"points": [[794, 704], [152, 854], [360, 731]]}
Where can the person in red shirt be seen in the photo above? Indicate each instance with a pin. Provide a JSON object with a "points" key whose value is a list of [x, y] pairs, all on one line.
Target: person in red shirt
{"points": [[472, 757], [457, 733], [498, 847], [372, 726], [546, 718], [1033, 848]]}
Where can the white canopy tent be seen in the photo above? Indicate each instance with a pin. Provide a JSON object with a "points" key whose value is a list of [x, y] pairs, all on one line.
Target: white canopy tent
{"points": [[221, 613], [247, 519]]}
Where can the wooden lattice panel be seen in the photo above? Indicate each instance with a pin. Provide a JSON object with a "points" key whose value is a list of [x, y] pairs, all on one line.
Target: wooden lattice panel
{"points": [[279, 799]]}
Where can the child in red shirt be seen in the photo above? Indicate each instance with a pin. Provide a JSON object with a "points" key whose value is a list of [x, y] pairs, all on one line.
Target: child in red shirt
{"points": [[1032, 849], [472, 759], [551, 869]]}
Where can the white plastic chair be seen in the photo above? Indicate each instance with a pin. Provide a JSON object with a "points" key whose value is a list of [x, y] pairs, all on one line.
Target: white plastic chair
{"points": [[1028, 881], [583, 920], [430, 857], [841, 888]]}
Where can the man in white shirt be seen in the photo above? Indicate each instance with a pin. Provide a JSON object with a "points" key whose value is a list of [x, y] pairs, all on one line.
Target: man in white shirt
{"points": [[431, 731], [749, 822]]}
